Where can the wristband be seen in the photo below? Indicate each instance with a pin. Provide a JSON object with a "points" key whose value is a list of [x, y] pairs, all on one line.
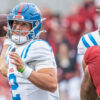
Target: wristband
{"points": [[21, 70], [7, 41], [27, 72]]}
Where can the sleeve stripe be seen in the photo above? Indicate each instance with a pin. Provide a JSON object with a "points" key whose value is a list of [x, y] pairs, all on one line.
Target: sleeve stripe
{"points": [[92, 39], [22, 52], [10, 48], [85, 42], [28, 49]]}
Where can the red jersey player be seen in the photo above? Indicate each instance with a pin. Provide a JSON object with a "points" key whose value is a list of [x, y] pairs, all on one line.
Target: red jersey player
{"points": [[90, 87]]}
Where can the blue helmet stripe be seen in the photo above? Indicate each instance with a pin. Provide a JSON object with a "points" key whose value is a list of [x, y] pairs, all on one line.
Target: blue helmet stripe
{"points": [[92, 39], [85, 42]]}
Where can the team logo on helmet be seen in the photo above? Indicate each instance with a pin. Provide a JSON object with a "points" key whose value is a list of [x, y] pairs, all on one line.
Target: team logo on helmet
{"points": [[18, 17]]}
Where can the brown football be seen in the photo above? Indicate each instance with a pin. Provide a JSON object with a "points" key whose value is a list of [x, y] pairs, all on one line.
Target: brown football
{"points": [[3, 22]]}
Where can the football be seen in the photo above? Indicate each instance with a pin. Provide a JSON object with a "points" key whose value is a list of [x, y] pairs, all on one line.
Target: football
{"points": [[3, 22]]}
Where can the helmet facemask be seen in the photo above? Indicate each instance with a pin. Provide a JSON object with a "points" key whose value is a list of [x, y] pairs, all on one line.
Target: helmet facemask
{"points": [[20, 39]]}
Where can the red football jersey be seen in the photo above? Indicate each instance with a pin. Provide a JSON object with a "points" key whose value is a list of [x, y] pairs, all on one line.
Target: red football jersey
{"points": [[92, 59]]}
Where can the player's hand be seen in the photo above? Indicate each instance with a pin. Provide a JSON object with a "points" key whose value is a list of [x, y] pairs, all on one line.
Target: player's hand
{"points": [[16, 60]]}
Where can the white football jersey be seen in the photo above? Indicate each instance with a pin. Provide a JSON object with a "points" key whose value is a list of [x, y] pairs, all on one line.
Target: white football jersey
{"points": [[36, 54], [88, 40]]}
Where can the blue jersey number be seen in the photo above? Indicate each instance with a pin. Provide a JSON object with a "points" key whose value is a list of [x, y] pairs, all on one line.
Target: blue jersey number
{"points": [[14, 87]]}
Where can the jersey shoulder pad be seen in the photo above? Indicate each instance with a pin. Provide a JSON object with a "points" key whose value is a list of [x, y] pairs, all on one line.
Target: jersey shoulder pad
{"points": [[41, 44], [38, 50]]}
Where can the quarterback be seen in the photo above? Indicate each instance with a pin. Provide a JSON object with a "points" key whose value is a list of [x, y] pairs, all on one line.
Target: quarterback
{"points": [[29, 62]]}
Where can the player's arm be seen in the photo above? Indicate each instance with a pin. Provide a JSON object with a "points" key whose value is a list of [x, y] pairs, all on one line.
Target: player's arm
{"points": [[7, 42], [44, 75], [88, 91], [45, 79], [3, 65]]}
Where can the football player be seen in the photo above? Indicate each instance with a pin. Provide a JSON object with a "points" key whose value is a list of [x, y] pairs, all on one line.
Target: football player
{"points": [[90, 88], [86, 41], [29, 62]]}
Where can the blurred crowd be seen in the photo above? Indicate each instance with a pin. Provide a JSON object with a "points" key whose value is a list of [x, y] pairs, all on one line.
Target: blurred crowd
{"points": [[63, 34]]}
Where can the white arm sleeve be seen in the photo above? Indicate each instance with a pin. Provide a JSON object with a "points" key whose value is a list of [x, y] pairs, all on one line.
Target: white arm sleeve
{"points": [[44, 64]]}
